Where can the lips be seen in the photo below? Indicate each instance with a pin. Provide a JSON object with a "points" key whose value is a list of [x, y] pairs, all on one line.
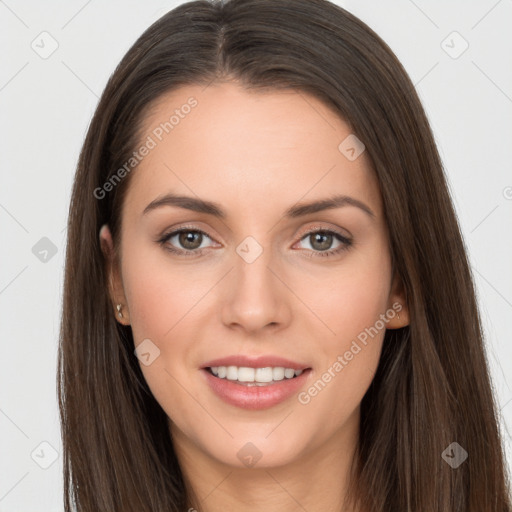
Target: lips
{"points": [[252, 395]]}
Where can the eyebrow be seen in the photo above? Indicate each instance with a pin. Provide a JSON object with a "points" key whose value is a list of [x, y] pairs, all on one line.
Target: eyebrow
{"points": [[297, 210]]}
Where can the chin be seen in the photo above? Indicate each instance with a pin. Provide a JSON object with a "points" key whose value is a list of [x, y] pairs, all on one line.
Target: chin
{"points": [[258, 451]]}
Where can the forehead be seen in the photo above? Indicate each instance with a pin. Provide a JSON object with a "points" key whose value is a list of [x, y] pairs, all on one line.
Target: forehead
{"points": [[242, 147]]}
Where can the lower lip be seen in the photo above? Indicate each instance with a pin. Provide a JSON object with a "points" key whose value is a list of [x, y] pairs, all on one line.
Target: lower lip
{"points": [[255, 397]]}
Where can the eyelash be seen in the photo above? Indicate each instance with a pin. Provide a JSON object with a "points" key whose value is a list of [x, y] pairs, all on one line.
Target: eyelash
{"points": [[346, 242]]}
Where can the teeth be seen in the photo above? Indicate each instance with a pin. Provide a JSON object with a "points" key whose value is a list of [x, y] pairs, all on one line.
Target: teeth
{"points": [[242, 374], [289, 373], [278, 373], [262, 374], [232, 373], [255, 375]]}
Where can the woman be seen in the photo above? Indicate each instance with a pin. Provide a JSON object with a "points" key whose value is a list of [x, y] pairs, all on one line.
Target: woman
{"points": [[267, 304]]}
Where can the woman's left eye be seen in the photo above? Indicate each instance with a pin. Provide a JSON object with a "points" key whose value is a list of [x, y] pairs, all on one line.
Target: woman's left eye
{"points": [[321, 241], [189, 242]]}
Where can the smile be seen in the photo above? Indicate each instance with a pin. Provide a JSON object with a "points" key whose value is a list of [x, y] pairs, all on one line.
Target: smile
{"points": [[254, 376]]}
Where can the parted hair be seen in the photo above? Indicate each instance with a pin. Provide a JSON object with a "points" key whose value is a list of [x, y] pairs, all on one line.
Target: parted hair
{"points": [[432, 386]]}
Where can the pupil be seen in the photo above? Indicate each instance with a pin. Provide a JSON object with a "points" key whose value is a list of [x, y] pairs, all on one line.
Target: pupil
{"points": [[323, 245], [187, 239]]}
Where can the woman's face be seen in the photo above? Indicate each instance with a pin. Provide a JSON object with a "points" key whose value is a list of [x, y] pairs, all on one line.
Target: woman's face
{"points": [[248, 283]]}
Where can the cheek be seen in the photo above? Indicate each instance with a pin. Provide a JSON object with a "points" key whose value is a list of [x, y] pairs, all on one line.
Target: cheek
{"points": [[349, 361], [353, 306], [159, 293], [350, 297], [161, 301], [165, 305]]}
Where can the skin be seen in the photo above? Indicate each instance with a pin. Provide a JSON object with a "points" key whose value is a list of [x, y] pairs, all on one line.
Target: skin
{"points": [[256, 154]]}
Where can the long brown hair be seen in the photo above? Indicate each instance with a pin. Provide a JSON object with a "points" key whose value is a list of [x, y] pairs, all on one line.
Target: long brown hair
{"points": [[432, 385]]}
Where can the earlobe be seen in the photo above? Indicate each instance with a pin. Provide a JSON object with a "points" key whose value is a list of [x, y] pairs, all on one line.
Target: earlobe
{"points": [[398, 314], [115, 290]]}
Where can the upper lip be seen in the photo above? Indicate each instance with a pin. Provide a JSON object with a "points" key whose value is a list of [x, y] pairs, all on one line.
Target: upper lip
{"points": [[262, 361]]}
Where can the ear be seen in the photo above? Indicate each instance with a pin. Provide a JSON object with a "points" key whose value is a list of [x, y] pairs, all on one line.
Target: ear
{"points": [[115, 286], [397, 303]]}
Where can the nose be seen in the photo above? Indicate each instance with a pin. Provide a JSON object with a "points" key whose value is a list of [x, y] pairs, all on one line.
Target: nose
{"points": [[255, 297]]}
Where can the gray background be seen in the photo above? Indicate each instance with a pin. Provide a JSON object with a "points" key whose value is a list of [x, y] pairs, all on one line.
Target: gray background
{"points": [[47, 103]]}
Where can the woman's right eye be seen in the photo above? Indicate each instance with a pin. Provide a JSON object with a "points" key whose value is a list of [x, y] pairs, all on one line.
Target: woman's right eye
{"points": [[187, 242]]}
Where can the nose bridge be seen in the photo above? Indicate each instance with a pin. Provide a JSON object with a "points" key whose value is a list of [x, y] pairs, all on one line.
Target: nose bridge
{"points": [[253, 276], [256, 297]]}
